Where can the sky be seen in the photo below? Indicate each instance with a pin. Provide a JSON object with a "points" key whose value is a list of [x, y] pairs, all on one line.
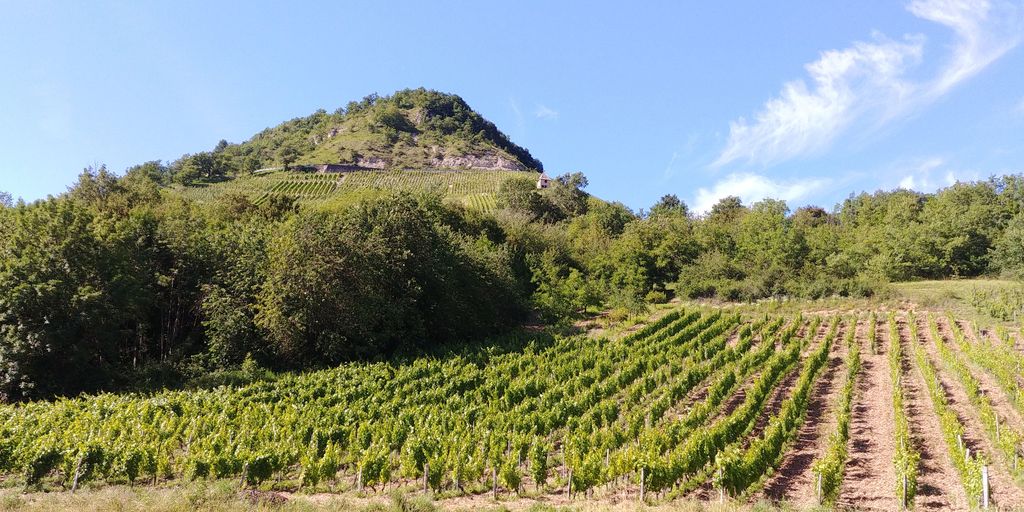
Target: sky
{"points": [[805, 101]]}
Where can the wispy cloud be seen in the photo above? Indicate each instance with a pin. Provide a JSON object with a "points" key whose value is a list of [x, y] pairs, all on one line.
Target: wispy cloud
{"points": [[754, 187], [803, 119], [543, 112], [982, 36], [928, 174], [517, 113], [867, 82], [670, 168]]}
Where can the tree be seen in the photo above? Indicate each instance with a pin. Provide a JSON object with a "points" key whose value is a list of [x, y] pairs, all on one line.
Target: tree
{"points": [[5, 200], [287, 154], [567, 194], [670, 203], [379, 277], [521, 196], [561, 293], [726, 209], [1008, 253], [60, 324]]}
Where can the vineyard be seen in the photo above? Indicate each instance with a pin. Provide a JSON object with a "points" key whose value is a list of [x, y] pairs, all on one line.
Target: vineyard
{"points": [[871, 410], [473, 189]]}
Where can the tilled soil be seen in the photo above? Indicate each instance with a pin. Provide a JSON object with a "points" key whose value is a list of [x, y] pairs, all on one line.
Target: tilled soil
{"points": [[869, 482], [938, 484], [680, 409], [772, 406], [1003, 491], [794, 481], [989, 385]]}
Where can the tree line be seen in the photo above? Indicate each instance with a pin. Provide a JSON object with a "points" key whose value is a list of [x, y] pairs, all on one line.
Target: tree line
{"points": [[120, 282]]}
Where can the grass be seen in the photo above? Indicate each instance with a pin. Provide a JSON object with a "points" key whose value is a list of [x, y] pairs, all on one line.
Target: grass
{"points": [[973, 299], [986, 302], [224, 496]]}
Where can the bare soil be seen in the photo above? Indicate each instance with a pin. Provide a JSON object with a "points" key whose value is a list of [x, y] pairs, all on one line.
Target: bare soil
{"points": [[1001, 401], [794, 481], [1003, 490], [938, 484], [869, 482]]}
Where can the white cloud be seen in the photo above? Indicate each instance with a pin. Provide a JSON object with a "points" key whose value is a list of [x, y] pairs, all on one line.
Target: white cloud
{"points": [[925, 175], [754, 187], [543, 112], [806, 118], [670, 168], [982, 36], [866, 81]]}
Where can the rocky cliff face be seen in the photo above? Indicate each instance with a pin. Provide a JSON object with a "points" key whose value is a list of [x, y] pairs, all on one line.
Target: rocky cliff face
{"points": [[488, 162]]}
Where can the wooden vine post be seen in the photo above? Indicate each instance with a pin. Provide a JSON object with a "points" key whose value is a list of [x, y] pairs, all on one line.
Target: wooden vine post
{"points": [[904, 488], [642, 482], [818, 488], [984, 487]]}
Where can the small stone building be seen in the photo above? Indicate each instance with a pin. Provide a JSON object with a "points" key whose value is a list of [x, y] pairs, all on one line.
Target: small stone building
{"points": [[543, 181]]}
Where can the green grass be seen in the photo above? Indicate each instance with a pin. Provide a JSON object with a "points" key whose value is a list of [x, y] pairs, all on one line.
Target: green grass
{"points": [[475, 190], [987, 301]]}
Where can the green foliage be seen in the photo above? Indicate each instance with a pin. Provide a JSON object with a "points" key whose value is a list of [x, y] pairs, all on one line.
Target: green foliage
{"points": [[376, 277], [510, 476], [1008, 251], [381, 129], [1004, 437], [737, 470], [539, 462], [561, 293]]}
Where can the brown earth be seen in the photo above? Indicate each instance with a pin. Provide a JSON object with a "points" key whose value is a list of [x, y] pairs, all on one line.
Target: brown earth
{"points": [[794, 481], [1004, 492], [869, 482], [938, 484]]}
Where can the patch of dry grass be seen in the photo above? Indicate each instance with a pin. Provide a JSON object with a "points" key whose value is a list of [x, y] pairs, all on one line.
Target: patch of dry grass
{"points": [[223, 496]]}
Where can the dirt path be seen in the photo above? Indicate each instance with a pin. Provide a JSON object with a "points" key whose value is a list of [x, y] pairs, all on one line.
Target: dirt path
{"points": [[794, 481], [869, 482], [938, 484], [1004, 491]]}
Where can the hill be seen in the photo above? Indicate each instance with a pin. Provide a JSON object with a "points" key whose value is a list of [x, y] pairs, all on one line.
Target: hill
{"points": [[413, 140]]}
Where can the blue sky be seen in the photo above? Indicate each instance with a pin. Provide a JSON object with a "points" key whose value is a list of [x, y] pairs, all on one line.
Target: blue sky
{"points": [[806, 101]]}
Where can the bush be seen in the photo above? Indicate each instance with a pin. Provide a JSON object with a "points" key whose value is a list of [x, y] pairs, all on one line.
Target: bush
{"points": [[656, 297]]}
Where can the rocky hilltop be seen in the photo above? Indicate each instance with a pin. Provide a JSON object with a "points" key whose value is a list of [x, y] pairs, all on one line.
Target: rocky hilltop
{"points": [[410, 129]]}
